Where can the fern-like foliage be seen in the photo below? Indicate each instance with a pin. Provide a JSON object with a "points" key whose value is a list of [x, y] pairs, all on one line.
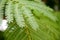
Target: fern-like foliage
{"points": [[2, 3], [30, 20]]}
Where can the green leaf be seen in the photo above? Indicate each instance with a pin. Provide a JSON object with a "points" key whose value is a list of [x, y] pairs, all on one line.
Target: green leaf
{"points": [[2, 2], [18, 16], [41, 8], [9, 11], [31, 21], [30, 18]]}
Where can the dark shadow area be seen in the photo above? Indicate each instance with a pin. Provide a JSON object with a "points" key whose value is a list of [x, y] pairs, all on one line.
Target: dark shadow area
{"points": [[59, 4], [50, 3], [54, 4], [2, 35]]}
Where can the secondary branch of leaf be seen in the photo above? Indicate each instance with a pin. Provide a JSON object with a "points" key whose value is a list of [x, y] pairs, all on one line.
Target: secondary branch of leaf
{"points": [[28, 33]]}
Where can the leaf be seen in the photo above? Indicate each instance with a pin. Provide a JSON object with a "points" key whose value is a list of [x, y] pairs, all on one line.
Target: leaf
{"points": [[41, 8], [14, 32], [2, 2], [30, 18], [31, 21], [9, 11], [18, 16]]}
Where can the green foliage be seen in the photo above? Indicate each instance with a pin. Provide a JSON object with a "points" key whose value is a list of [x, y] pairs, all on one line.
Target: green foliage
{"points": [[2, 2], [30, 20]]}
